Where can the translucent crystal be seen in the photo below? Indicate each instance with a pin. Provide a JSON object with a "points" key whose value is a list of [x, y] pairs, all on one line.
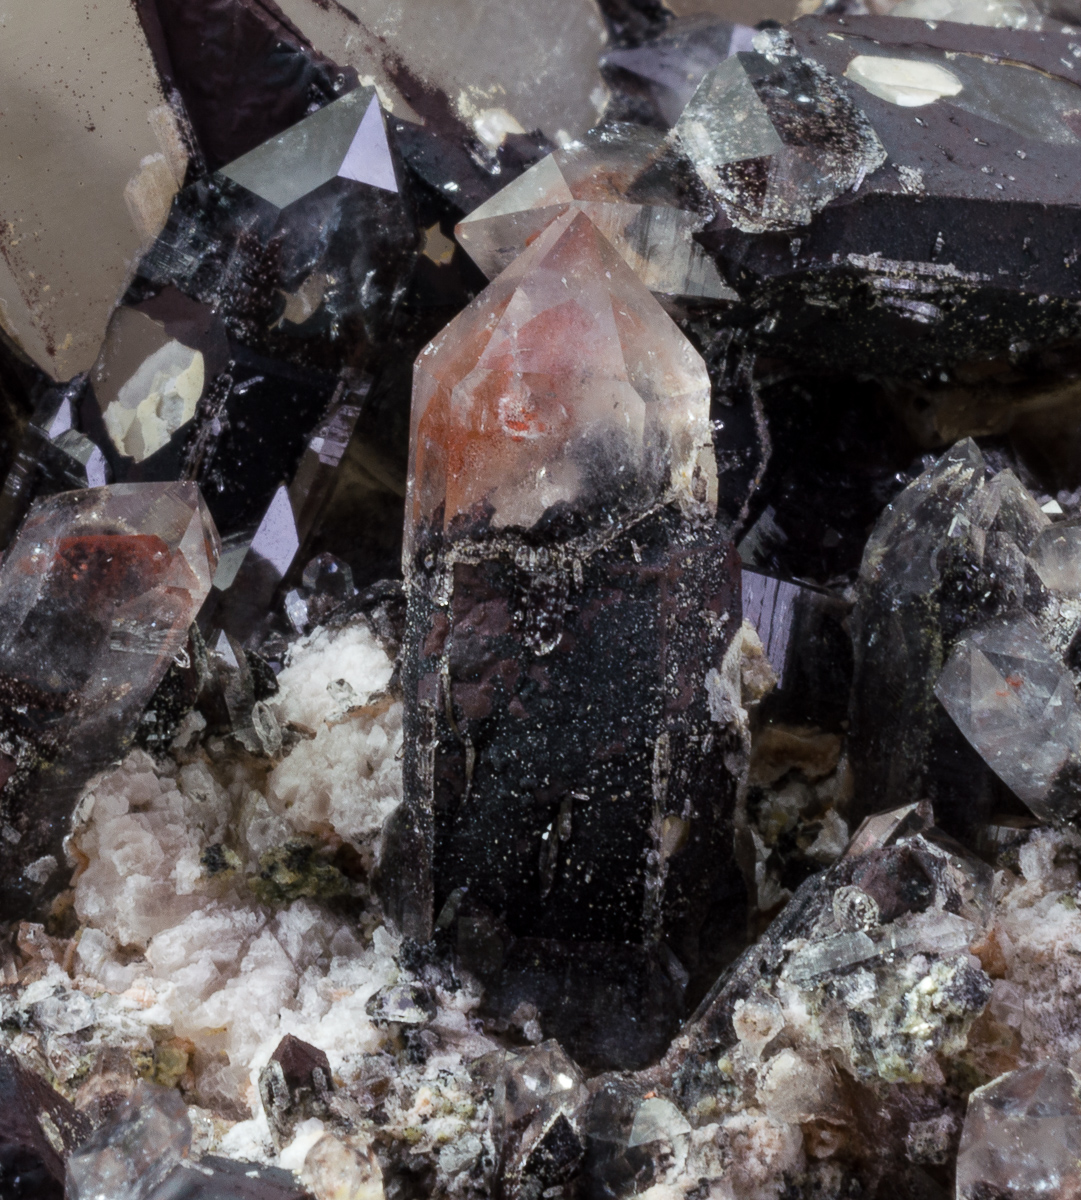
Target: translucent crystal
{"points": [[1022, 1137], [602, 178], [346, 138], [1017, 704], [1056, 556], [82, 109], [97, 594], [127, 1158], [543, 1082], [774, 138], [563, 386]]}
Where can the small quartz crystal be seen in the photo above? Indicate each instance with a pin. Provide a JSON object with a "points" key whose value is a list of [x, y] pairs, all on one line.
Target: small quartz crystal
{"points": [[98, 592], [774, 138], [627, 189], [1022, 1137]]}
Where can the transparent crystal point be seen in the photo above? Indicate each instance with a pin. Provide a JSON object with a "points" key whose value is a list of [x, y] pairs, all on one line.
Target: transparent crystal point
{"points": [[1015, 701], [603, 179], [774, 138], [540, 1084], [345, 138], [97, 594], [564, 387], [1022, 1137]]}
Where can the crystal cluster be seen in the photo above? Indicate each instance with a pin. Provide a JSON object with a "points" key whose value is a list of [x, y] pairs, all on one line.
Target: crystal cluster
{"points": [[540, 608]]}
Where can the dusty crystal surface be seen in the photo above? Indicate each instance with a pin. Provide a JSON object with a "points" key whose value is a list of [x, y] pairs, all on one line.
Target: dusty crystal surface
{"points": [[774, 138], [630, 193]]}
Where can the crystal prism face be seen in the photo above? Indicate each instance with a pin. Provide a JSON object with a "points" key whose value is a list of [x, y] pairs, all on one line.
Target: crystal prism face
{"points": [[1017, 705], [346, 138], [564, 387], [68, 246], [651, 231], [1033, 105], [1022, 1137], [774, 138]]}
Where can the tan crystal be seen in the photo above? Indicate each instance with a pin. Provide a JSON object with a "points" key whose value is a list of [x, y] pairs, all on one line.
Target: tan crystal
{"points": [[504, 64], [563, 383], [654, 238], [81, 115]]}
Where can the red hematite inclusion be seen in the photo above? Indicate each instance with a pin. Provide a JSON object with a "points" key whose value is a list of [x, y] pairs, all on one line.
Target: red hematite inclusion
{"points": [[563, 382], [97, 594]]}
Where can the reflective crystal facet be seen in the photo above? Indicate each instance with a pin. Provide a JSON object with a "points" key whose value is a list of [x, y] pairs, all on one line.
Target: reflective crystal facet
{"points": [[618, 184], [774, 138], [83, 109], [1022, 1137], [127, 1158], [97, 594], [1017, 704], [563, 386], [346, 138]]}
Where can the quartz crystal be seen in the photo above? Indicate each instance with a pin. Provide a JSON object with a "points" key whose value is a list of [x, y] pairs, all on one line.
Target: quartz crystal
{"points": [[626, 188], [130, 1155], [99, 589], [483, 64], [346, 139], [564, 386], [1022, 1136], [559, 532], [774, 137], [83, 108], [949, 554], [1017, 704]]}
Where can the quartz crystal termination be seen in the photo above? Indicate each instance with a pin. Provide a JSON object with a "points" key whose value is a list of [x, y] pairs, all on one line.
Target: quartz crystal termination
{"points": [[628, 182], [966, 623], [570, 602], [97, 594], [774, 138]]}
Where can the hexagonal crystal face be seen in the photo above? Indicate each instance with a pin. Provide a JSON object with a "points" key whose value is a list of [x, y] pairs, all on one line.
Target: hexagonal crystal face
{"points": [[646, 221], [564, 390]]}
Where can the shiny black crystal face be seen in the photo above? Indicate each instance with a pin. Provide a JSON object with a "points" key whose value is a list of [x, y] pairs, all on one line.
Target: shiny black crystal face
{"points": [[720, 738]]}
